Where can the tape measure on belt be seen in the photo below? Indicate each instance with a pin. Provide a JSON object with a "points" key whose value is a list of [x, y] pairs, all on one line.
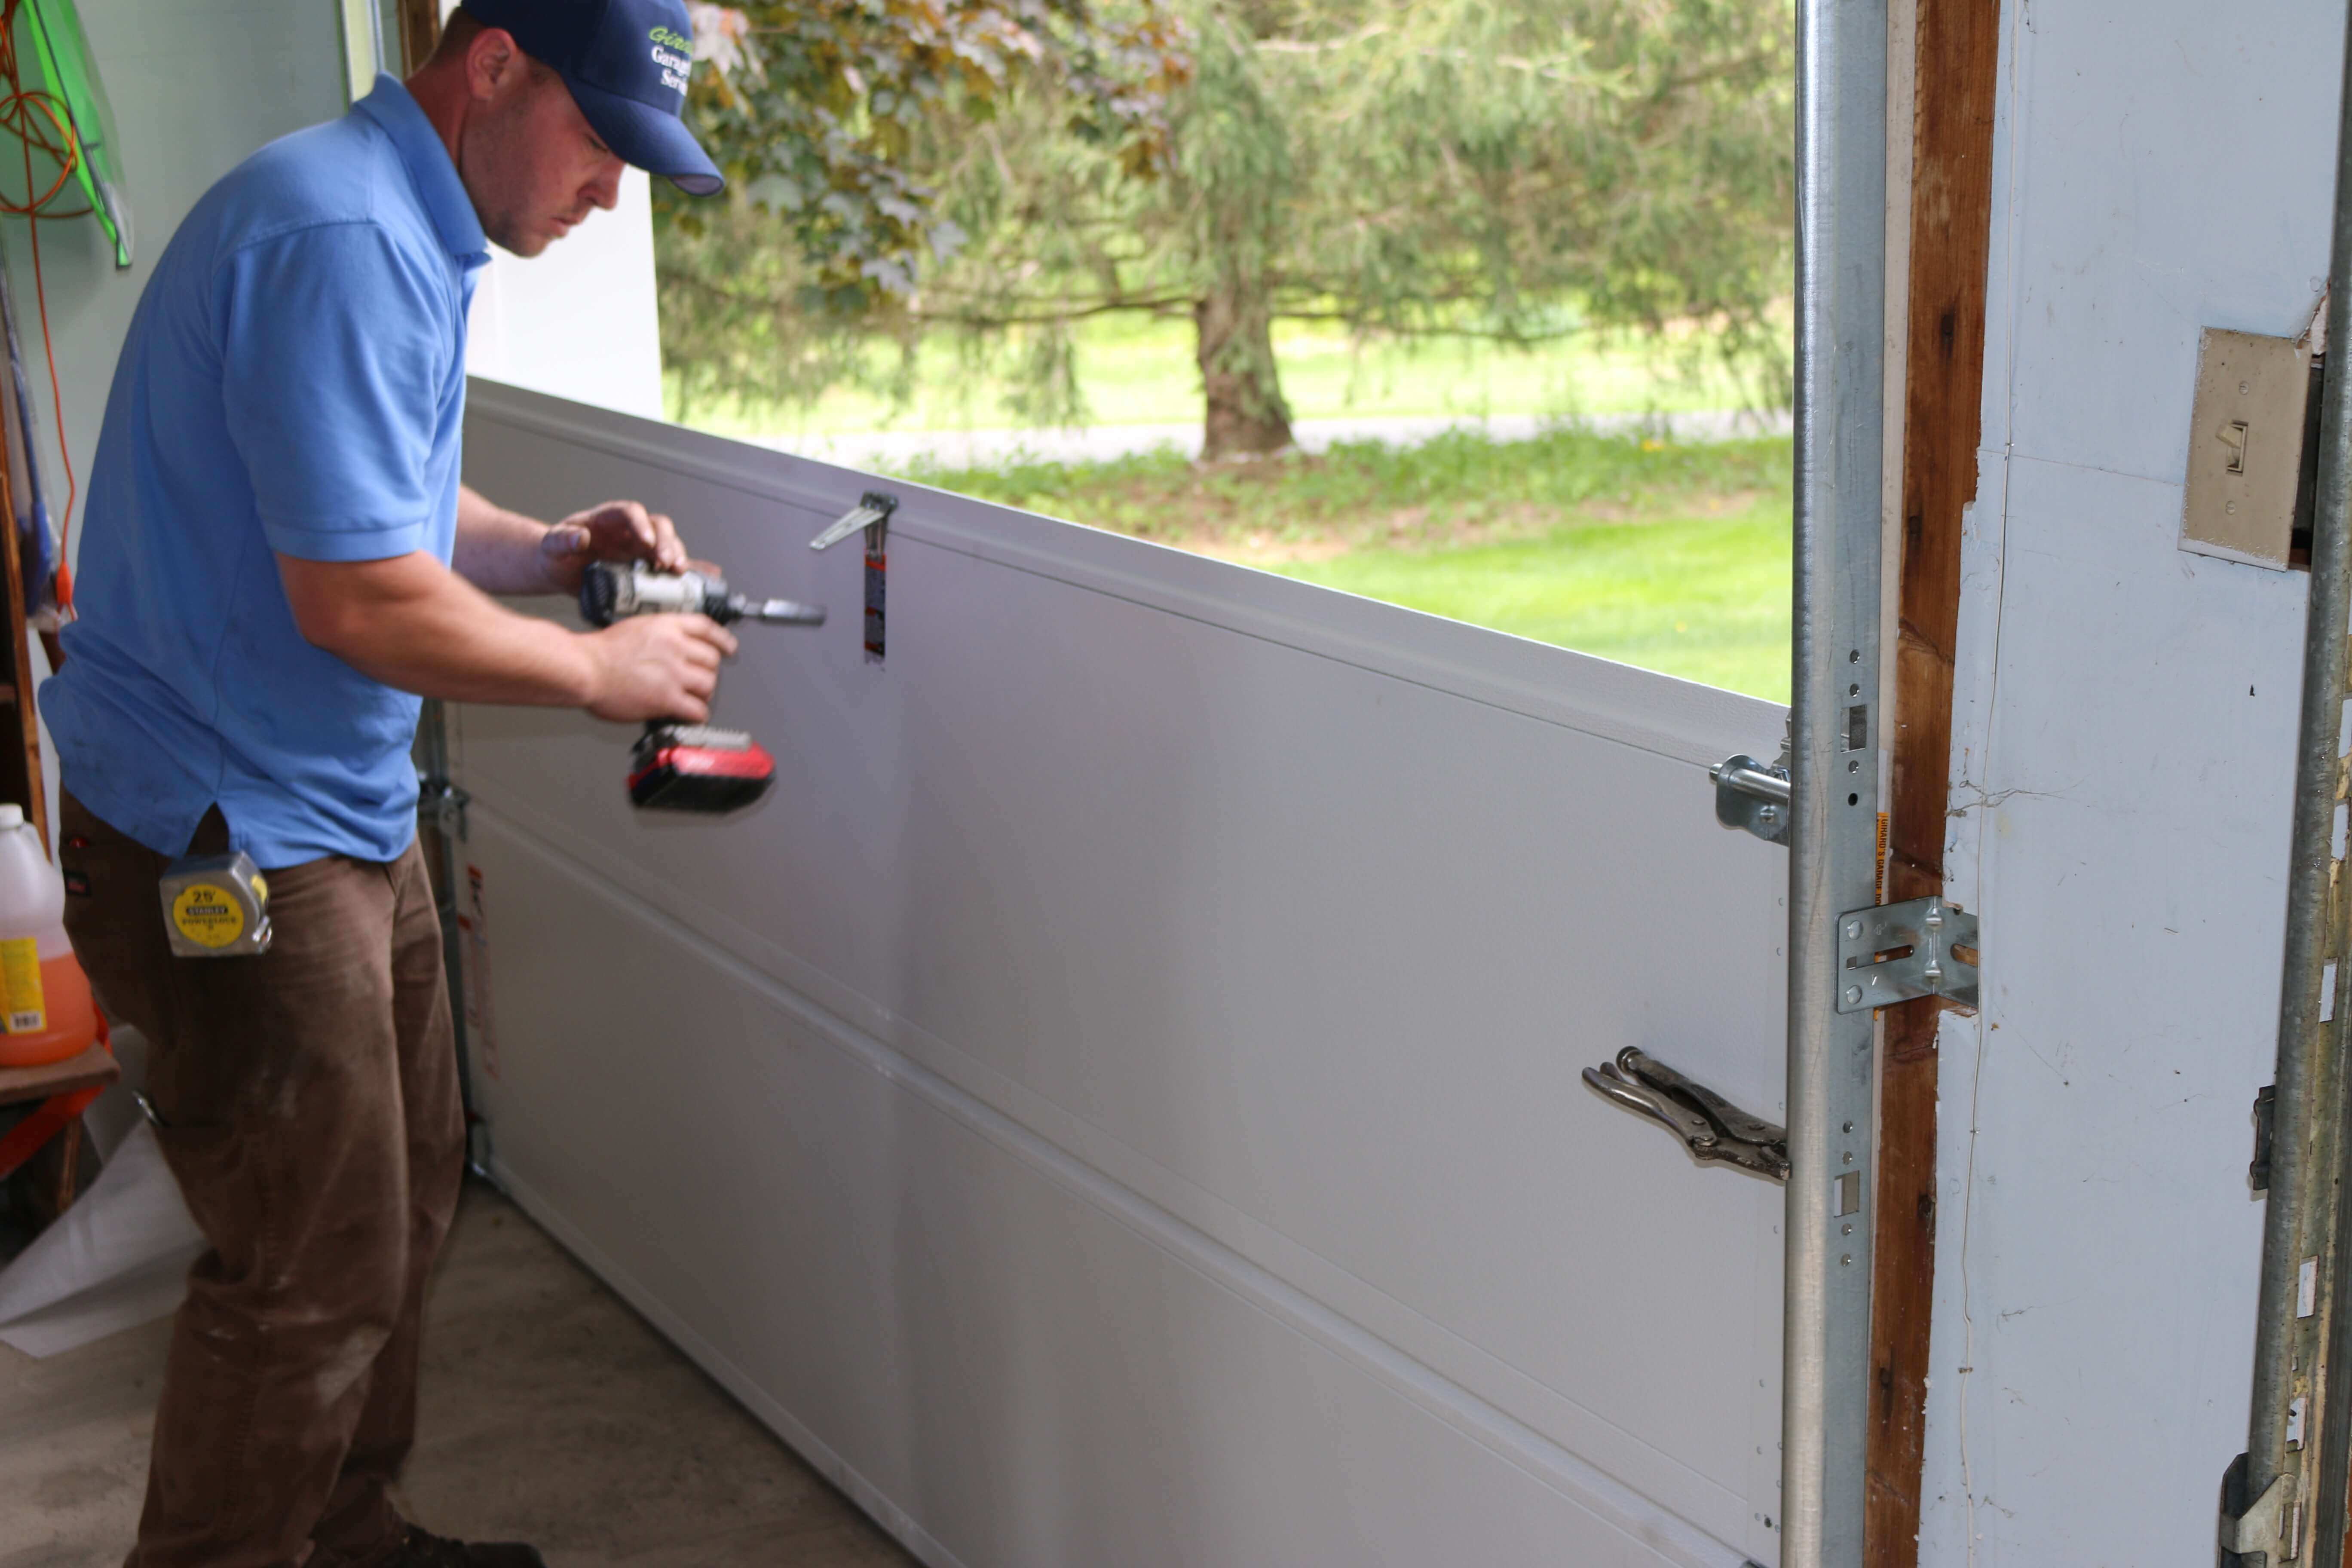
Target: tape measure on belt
{"points": [[216, 906]]}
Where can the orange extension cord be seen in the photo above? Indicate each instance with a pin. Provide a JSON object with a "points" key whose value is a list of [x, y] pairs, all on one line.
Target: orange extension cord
{"points": [[38, 119]]}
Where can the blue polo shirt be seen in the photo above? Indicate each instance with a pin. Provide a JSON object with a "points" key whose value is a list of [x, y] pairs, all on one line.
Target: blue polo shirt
{"points": [[294, 384]]}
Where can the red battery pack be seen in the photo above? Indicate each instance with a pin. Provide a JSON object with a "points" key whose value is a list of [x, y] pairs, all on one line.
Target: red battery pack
{"points": [[698, 768]]}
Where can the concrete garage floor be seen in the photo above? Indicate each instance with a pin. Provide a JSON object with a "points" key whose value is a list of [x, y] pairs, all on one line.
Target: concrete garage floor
{"points": [[550, 1413]]}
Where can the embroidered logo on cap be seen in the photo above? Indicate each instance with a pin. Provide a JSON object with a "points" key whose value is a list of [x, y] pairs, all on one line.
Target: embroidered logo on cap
{"points": [[674, 56]]}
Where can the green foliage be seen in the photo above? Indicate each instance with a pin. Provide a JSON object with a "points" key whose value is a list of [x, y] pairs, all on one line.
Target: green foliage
{"points": [[826, 117], [1512, 169], [1488, 165]]}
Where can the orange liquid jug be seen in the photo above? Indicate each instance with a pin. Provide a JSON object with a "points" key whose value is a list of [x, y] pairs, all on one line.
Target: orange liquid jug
{"points": [[45, 1011]]}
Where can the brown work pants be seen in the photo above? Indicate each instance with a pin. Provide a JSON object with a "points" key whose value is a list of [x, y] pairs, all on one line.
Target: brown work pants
{"points": [[309, 1106]]}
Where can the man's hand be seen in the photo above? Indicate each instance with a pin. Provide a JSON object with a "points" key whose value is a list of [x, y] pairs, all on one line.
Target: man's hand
{"points": [[657, 666], [502, 551], [412, 623], [614, 530]]}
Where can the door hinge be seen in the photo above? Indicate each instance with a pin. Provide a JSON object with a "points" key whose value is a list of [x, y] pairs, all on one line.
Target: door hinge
{"points": [[1715, 1130], [1895, 953]]}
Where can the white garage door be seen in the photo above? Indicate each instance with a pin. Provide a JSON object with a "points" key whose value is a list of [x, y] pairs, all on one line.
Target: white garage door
{"points": [[1117, 1100]]}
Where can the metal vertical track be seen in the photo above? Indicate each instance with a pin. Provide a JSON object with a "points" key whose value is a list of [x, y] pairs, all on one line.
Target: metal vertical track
{"points": [[1832, 865], [441, 822], [2296, 1453]]}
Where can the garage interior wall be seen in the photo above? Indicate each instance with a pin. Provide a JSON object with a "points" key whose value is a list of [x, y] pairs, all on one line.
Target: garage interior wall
{"points": [[195, 87], [2123, 759]]}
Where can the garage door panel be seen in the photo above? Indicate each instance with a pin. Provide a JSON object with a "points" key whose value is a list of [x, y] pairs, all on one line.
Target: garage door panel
{"points": [[1291, 941], [898, 1271], [1405, 1104]]}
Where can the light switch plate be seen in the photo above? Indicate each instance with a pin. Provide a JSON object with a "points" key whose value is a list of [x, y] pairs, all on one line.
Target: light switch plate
{"points": [[2245, 446]]}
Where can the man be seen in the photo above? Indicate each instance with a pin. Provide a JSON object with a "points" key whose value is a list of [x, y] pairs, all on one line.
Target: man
{"points": [[279, 561]]}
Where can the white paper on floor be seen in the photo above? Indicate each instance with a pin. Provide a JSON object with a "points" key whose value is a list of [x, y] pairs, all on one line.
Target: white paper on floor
{"points": [[119, 1256]]}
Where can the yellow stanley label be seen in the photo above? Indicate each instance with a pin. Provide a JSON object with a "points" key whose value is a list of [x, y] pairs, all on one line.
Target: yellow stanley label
{"points": [[26, 1010], [208, 915]]}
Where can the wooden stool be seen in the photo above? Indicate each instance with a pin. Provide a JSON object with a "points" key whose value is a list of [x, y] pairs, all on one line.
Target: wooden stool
{"points": [[66, 1089]]}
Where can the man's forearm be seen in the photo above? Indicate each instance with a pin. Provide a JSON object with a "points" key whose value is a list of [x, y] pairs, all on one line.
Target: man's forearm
{"points": [[498, 550], [412, 624]]}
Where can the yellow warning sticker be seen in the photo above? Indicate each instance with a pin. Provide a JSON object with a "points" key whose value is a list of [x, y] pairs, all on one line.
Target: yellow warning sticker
{"points": [[23, 1007], [207, 915]]}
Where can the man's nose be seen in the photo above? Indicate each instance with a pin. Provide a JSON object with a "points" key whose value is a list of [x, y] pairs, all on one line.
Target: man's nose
{"points": [[605, 190]]}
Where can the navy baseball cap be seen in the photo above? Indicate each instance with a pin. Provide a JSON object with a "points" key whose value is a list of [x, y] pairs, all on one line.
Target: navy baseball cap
{"points": [[625, 62]]}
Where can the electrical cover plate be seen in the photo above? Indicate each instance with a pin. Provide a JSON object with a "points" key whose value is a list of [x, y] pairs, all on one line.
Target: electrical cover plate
{"points": [[2245, 446]]}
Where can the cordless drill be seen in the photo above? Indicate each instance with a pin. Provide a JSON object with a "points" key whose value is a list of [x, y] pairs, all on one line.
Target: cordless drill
{"points": [[689, 767]]}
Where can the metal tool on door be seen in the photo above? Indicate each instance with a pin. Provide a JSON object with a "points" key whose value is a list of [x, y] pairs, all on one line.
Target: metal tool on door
{"points": [[1716, 1131]]}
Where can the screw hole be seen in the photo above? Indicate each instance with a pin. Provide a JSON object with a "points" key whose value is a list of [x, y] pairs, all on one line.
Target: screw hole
{"points": [[1853, 800]]}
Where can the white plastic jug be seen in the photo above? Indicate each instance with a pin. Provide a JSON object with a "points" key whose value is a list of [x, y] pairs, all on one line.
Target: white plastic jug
{"points": [[45, 1011]]}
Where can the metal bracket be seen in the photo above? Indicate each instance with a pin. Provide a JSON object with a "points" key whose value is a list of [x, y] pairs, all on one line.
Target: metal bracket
{"points": [[1753, 797], [2257, 1530], [442, 805], [1894, 953], [871, 514], [1715, 1130], [2258, 1172], [873, 510]]}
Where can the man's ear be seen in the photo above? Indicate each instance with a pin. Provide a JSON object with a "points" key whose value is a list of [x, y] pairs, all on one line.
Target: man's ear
{"points": [[492, 61]]}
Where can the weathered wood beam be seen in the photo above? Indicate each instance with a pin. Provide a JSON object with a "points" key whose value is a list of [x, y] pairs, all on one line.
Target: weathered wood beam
{"points": [[1958, 57]]}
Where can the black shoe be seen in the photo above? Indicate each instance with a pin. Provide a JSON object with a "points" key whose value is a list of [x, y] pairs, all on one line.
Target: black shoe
{"points": [[422, 1549]]}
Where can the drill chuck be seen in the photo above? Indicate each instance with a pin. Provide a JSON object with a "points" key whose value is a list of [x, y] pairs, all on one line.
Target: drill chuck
{"points": [[615, 590], [776, 612]]}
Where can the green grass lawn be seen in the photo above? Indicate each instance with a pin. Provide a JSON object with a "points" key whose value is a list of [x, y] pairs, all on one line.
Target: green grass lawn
{"points": [[1706, 598], [1674, 558], [1137, 370]]}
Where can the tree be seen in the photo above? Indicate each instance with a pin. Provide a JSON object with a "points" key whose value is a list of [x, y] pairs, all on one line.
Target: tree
{"points": [[825, 115], [1450, 167]]}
